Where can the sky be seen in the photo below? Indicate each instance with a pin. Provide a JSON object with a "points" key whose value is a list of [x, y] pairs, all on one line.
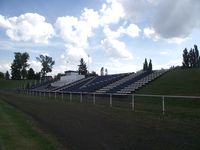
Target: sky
{"points": [[114, 34]]}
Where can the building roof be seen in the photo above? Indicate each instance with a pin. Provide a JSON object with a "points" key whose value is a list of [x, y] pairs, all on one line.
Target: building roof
{"points": [[69, 71]]}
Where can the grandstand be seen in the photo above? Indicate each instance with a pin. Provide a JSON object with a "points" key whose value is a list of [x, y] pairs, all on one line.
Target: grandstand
{"points": [[124, 83]]}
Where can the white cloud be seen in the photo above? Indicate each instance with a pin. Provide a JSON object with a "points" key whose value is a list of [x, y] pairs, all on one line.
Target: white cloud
{"points": [[76, 31], [111, 12], [91, 17], [115, 66], [74, 53], [150, 33], [36, 65], [172, 21], [73, 31], [4, 67], [113, 34], [176, 19], [176, 40], [59, 69], [116, 49], [170, 63], [133, 30], [136, 10], [164, 53], [27, 27], [4, 23], [113, 46]]}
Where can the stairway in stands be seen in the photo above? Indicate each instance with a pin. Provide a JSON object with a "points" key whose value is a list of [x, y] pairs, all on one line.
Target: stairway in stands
{"points": [[143, 81], [119, 82], [76, 83], [102, 81], [139, 75]]}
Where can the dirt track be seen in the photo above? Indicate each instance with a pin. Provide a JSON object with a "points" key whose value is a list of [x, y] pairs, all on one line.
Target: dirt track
{"points": [[89, 127]]}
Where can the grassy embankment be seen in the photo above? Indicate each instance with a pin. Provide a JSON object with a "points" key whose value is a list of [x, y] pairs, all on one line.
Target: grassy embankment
{"points": [[176, 82], [14, 84], [87, 126], [17, 130]]}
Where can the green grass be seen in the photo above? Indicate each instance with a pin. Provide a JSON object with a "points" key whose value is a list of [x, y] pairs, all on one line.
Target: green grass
{"points": [[175, 82], [18, 132], [116, 128], [88, 126], [13, 84]]}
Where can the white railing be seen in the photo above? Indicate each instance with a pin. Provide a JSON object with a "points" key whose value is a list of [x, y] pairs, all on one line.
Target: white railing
{"points": [[108, 95]]}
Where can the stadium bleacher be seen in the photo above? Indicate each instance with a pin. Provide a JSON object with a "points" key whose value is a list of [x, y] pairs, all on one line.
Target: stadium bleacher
{"points": [[124, 83]]}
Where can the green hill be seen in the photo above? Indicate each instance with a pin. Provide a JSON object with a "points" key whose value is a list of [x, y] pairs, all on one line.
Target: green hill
{"points": [[12, 84], [175, 82]]}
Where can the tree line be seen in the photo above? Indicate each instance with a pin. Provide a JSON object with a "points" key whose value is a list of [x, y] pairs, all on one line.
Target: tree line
{"points": [[191, 59], [5, 75], [147, 66], [83, 69], [20, 65]]}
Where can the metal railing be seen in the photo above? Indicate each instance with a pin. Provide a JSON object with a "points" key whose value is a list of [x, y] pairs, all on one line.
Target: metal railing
{"points": [[57, 95]]}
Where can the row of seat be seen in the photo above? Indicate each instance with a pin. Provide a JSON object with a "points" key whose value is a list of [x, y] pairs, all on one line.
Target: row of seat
{"points": [[119, 83], [73, 84], [100, 82], [136, 85]]}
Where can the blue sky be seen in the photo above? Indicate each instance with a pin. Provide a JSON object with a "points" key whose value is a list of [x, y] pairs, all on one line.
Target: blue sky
{"points": [[114, 34]]}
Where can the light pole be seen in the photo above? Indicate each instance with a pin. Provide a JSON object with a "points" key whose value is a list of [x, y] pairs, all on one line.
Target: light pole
{"points": [[67, 64], [88, 62]]}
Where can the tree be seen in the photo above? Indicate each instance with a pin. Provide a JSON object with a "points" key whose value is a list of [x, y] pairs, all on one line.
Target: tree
{"points": [[37, 76], [150, 66], [185, 58], [82, 68], [191, 59], [7, 75], [1, 75], [58, 76], [196, 55], [19, 65], [93, 73], [31, 74], [145, 65], [102, 71], [106, 71], [15, 72], [47, 64]]}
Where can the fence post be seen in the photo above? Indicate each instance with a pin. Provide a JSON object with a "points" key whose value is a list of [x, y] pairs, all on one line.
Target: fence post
{"points": [[163, 105], [40, 93], [133, 102], [44, 93], [81, 97], [49, 95], [62, 96], [110, 100], [55, 95], [70, 97], [94, 99]]}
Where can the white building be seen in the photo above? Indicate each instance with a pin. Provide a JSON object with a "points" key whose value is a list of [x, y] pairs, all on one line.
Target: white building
{"points": [[69, 77]]}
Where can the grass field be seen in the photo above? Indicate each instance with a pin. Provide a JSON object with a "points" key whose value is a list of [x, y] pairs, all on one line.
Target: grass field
{"points": [[84, 125], [176, 82], [13, 84], [19, 132], [87, 126]]}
